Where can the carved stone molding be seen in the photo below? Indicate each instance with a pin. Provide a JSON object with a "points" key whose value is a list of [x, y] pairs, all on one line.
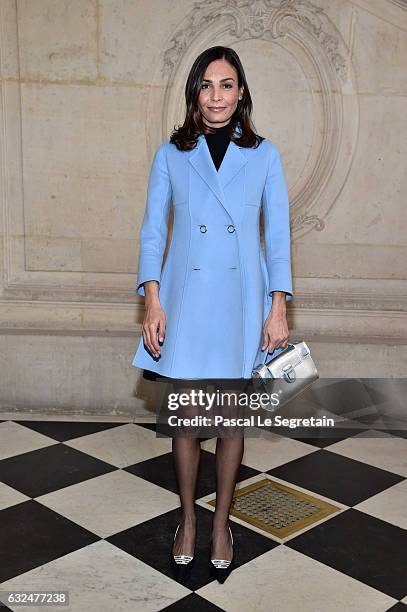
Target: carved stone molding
{"points": [[306, 33]]}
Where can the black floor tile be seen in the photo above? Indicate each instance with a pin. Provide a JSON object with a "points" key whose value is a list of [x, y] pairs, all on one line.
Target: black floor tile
{"points": [[334, 435], [398, 607], [150, 426], [31, 535], [361, 546], [335, 476], [67, 430], [192, 602], [151, 542], [399, 433], [48, 469], [160, 471]]}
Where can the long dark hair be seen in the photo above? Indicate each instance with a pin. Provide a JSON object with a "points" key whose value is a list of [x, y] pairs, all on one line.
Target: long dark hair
{"points": [[185, 136]]}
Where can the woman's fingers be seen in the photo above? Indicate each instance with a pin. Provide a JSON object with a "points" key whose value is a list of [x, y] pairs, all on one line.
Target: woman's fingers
{"points": [[161, 329], [275, 334], [275, 343], [272, 345], [266, 339], [269, 341], [154, 326], [153, 337], [147, 338]]}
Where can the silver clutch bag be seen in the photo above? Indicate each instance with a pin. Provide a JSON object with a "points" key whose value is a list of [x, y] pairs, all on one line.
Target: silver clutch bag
{"points": [[285, 375]]}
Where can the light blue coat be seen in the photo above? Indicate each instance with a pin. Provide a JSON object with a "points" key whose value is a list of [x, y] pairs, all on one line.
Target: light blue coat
{"points": [[215, 286]]}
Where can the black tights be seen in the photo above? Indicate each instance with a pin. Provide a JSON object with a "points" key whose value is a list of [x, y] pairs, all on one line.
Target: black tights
{"points": [[186, 454]]}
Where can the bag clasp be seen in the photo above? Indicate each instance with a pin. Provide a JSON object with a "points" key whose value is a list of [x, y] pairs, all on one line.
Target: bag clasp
{"points": [[289, 373]]}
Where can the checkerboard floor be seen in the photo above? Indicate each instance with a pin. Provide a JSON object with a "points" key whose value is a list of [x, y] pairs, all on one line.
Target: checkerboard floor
{"points": [[91, 508]]}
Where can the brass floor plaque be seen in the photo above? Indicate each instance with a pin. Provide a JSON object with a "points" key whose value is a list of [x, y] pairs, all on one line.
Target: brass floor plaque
{"points": [[277, 508]]}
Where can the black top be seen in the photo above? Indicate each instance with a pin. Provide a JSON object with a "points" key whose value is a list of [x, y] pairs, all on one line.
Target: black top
{"points": [[217, 144]]}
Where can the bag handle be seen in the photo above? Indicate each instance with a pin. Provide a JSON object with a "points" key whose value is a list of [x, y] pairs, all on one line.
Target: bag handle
{"points": [[289, 347]]}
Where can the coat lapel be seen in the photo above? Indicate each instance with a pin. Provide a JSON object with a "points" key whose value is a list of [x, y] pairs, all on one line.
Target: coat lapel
{"points": [[232, 163]]}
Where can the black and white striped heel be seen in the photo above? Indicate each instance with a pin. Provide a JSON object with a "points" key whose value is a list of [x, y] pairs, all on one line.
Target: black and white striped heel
{"points": [[221, 568], [181, 564]]}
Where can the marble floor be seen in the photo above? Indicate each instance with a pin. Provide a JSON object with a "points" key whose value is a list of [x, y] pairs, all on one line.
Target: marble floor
{"points": [[91, 506]]}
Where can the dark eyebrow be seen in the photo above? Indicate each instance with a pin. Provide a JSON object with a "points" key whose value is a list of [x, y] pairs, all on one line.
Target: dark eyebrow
{"points": [[226, 79]]}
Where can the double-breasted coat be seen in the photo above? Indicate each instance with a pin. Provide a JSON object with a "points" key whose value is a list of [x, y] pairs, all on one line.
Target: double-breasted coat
{"points": [[216, 284]]}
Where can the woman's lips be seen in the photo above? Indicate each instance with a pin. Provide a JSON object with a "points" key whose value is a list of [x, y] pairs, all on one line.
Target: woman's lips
{"points": [[216, 109]]}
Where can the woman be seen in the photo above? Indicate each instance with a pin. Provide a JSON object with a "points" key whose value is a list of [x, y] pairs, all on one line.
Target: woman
{"points": [[218, 306]]}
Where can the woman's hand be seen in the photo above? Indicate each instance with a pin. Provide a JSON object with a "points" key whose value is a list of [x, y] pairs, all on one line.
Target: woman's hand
{"points": [[275, 328], [154, 323]]}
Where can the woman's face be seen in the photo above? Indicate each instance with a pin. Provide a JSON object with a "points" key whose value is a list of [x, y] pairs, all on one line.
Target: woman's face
{"points": [[219, 93]]}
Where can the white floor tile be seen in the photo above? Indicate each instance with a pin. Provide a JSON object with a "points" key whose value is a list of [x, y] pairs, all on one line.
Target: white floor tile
{"points": [[122, 445], [101, 578], [382, 451], [16, 439], [110, 503], [390, 505], [283, 580], [10, 497]]}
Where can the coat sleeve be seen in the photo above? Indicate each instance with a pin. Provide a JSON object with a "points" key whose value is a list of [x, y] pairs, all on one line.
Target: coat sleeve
{"points": [[154, 229], [277, 239]]}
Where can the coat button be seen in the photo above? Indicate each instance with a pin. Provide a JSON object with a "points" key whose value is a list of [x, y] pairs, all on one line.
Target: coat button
{"points": [[231, 229], [203, 229]]}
